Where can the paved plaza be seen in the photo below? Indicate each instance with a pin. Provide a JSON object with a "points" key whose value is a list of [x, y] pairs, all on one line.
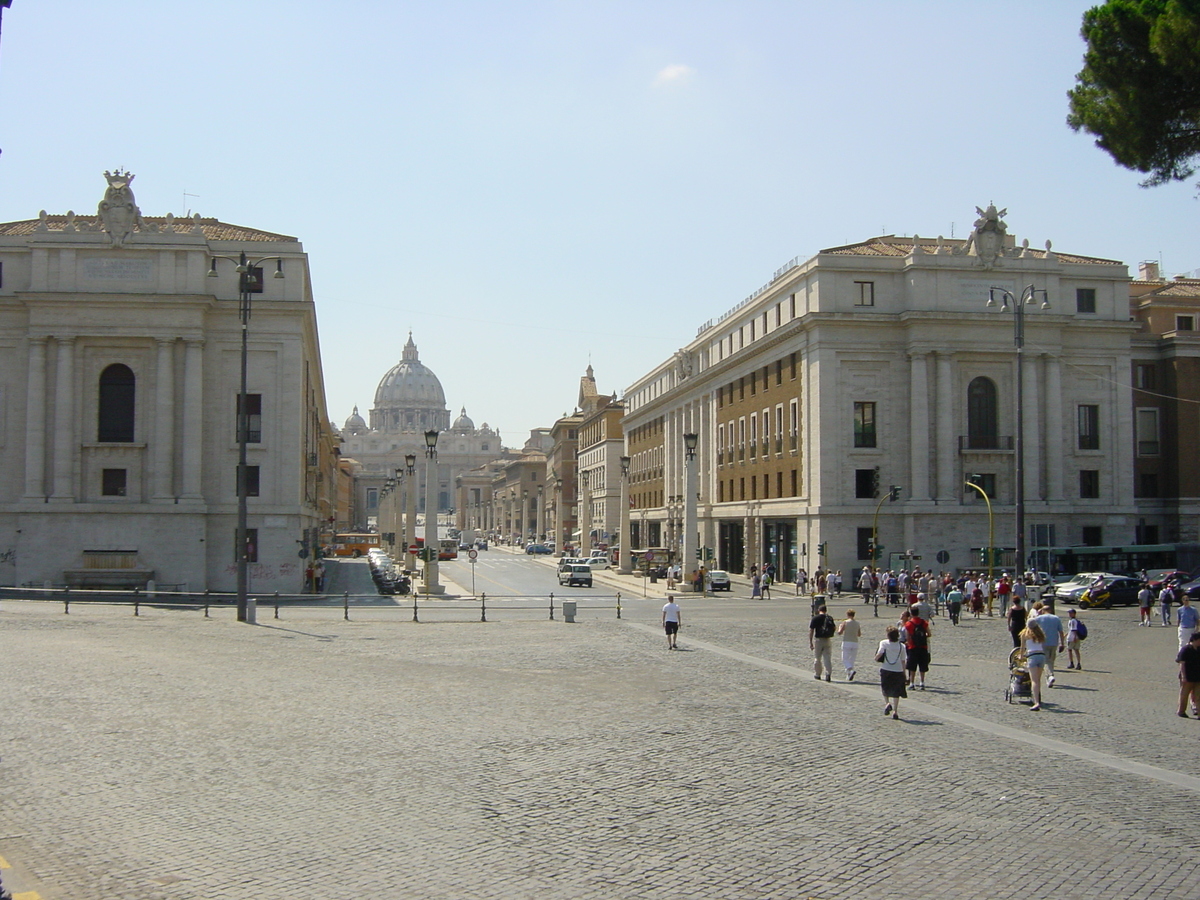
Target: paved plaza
{"points": [[171, 757]]}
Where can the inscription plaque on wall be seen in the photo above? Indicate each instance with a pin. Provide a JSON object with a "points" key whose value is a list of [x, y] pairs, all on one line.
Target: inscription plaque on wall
{"points": [[116, 269]]}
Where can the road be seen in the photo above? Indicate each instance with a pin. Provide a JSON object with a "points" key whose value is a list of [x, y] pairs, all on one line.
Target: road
{"points": [[172, 757]]}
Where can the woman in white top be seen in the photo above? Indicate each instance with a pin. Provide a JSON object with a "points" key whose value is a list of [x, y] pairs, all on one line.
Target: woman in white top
{"points": [[1034, 642], [892, 657], [851, 631]]}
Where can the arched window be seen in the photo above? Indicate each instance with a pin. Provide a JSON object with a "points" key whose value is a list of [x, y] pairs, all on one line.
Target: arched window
{"points": [[982, 430], [116, 405]]}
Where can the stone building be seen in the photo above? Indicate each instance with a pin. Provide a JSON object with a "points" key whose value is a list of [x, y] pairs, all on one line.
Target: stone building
{"points": [[408, 402], [878, 364], [119, 383]]}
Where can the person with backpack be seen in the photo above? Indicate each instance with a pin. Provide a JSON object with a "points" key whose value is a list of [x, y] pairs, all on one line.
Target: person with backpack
{"points": [[1076, 633], [916, 632], [820, 640]]}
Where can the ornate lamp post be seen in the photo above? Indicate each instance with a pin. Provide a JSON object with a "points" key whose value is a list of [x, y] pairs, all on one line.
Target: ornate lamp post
{"points": [[690, 556], [410, 510], [541, 515], [1028, 296], [247, 281], [524, 517], [625, 543], [431, 518]]}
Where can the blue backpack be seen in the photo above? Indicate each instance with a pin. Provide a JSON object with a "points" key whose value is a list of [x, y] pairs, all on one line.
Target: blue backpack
{"points": [[1081, 629]]}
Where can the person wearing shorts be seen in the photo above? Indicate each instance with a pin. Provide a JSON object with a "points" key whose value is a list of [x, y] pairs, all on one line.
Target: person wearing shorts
{"points": [[916, 634], [672, 618]]}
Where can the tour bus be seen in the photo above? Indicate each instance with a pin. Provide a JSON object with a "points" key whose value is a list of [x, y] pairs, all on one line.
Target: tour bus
{"points": [[447, 547], [355, 545]]}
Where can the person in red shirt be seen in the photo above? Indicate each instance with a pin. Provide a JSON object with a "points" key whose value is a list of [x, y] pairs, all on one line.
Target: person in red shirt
{"points": [[916, 641]]}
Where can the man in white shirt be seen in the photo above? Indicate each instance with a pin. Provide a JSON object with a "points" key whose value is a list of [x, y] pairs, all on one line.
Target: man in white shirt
{"points": [[672, 618]]}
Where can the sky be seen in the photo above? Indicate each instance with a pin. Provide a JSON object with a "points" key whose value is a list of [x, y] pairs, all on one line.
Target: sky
{"points": [[533, 187]]}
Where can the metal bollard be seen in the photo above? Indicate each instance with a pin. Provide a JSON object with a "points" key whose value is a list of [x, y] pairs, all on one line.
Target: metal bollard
{"points": [[137, 604], [483, 607], [618, 604], [346, 606], [277, 604], [551, 607]]}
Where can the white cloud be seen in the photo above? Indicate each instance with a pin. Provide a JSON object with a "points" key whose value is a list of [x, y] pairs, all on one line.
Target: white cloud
{"points": [[674, 74]]}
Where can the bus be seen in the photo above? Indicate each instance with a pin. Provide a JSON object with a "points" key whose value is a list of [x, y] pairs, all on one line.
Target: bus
{"points": [[447, 547], [354, 545]]}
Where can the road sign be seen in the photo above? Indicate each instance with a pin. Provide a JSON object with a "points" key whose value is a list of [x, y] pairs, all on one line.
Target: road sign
{"points": [[648, 556], [472, 554]]}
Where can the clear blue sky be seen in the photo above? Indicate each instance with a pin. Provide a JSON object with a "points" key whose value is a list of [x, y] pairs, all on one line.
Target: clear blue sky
{"points": [[533, 186]]}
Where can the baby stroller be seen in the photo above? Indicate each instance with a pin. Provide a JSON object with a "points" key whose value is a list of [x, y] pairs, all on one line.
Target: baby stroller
{"points": [[1019, 682]]}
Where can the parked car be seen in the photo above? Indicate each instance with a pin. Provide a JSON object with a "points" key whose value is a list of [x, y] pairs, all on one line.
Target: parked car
{"points": [[578, 574], [1121, 591], [597, 562], [1069, 591], [718, 580], [537, 549]]}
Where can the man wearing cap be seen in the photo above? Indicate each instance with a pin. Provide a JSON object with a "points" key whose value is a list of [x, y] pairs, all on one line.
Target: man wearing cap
{"points": [[1189, 676]]}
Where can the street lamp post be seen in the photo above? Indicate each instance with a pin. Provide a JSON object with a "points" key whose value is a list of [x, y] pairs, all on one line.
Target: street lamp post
{"points": [[247, 280], [400, 537], [410, 511], [690, 557], [625, 565], [585, 513], [541, 515], [973, 482], [892, 496], [1028, 296], [524, 517], [431, 524]]}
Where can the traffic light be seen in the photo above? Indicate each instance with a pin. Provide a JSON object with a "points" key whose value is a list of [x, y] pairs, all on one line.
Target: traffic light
{"points": [[821, 548], [894, 493], [875, 483], [699, 553], [983, 556]]}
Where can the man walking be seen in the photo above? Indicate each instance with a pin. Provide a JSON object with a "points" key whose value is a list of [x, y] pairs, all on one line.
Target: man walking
{"points": [[1189, 675], [1188, 619], [672, 618], [916, 632], [1052, 628], [1165, 598], [1145, 601], [820, 641]]}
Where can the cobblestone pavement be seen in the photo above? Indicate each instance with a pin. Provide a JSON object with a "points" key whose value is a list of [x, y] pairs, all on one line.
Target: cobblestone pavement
{"points": [[171, 756]]}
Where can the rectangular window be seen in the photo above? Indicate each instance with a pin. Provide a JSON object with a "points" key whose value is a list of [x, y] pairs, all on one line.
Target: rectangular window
{"points": [[1093, 535], [1145, 534], [1089, 484], [252, 280], [754, 382], [742, 388], [251, 481], [792, 365], [1042, 535], [795, 485], [253, 417], [1144, 377], [1148, 485], [741, 488], [1146, 423], [251, 545], [720, 491], [864, 484], [753, 487], [752, 323], [372, 498], [987, 481], [778, 484], [865, 293], [779, 371], [1089, 427], [1185, 323], [864, 424], [1085, 300], [112, 482]]}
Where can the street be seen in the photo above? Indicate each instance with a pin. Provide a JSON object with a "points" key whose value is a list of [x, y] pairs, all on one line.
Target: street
{"points": [[173, 756]]}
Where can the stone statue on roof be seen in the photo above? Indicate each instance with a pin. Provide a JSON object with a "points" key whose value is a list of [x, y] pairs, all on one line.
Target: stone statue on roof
{"points": [[118, 212], [987, 239]]}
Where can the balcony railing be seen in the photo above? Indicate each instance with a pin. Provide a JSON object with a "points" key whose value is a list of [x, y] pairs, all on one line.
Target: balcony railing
{"points": [[976, 442]]}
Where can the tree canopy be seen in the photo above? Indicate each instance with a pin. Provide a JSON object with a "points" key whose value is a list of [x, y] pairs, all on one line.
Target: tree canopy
{"points": [[1139, 90]]}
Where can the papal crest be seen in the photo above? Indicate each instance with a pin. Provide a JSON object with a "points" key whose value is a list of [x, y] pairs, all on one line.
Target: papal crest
{"points": [[987, 239], [118, 212]]}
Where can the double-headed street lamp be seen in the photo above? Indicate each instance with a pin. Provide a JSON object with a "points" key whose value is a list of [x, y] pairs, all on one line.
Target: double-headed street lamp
{"points": [[410, 511], [625, 548], [1028, 296], [247, 270]]}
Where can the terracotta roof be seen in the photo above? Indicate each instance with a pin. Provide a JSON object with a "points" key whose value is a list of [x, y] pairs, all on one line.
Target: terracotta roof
{"points": [[891, 245], [213, 229], [1180, 287]]}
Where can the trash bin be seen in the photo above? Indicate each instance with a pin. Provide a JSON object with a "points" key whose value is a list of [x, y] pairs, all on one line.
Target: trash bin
{"points": [[251, 611], [569, 610]]}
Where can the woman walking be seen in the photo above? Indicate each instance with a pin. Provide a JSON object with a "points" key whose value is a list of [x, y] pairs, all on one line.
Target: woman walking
{"points": [[851, 631], [892, 658], [1034, 642]]}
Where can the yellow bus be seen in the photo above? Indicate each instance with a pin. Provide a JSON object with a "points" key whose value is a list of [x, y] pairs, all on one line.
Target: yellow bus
{"points": [[355, 545]]}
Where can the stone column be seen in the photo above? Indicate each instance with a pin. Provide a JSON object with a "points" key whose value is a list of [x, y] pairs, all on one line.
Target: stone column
{"points": [[1055, 454], [946, 441], [64, 421], [164, 421], [1033, 430], [35, 421], [918, 424], [193, 419]]}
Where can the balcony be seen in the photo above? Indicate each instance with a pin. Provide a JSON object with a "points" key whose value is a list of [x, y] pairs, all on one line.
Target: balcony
{"points": [[985, 443]]}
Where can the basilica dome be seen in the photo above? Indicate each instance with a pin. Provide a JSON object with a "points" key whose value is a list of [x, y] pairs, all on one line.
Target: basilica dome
{"points": [[463, 422], [409, 397]]}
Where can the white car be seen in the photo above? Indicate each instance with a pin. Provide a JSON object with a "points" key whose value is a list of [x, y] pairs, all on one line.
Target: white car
{"points": [[597, 562], [1070, 591]]}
